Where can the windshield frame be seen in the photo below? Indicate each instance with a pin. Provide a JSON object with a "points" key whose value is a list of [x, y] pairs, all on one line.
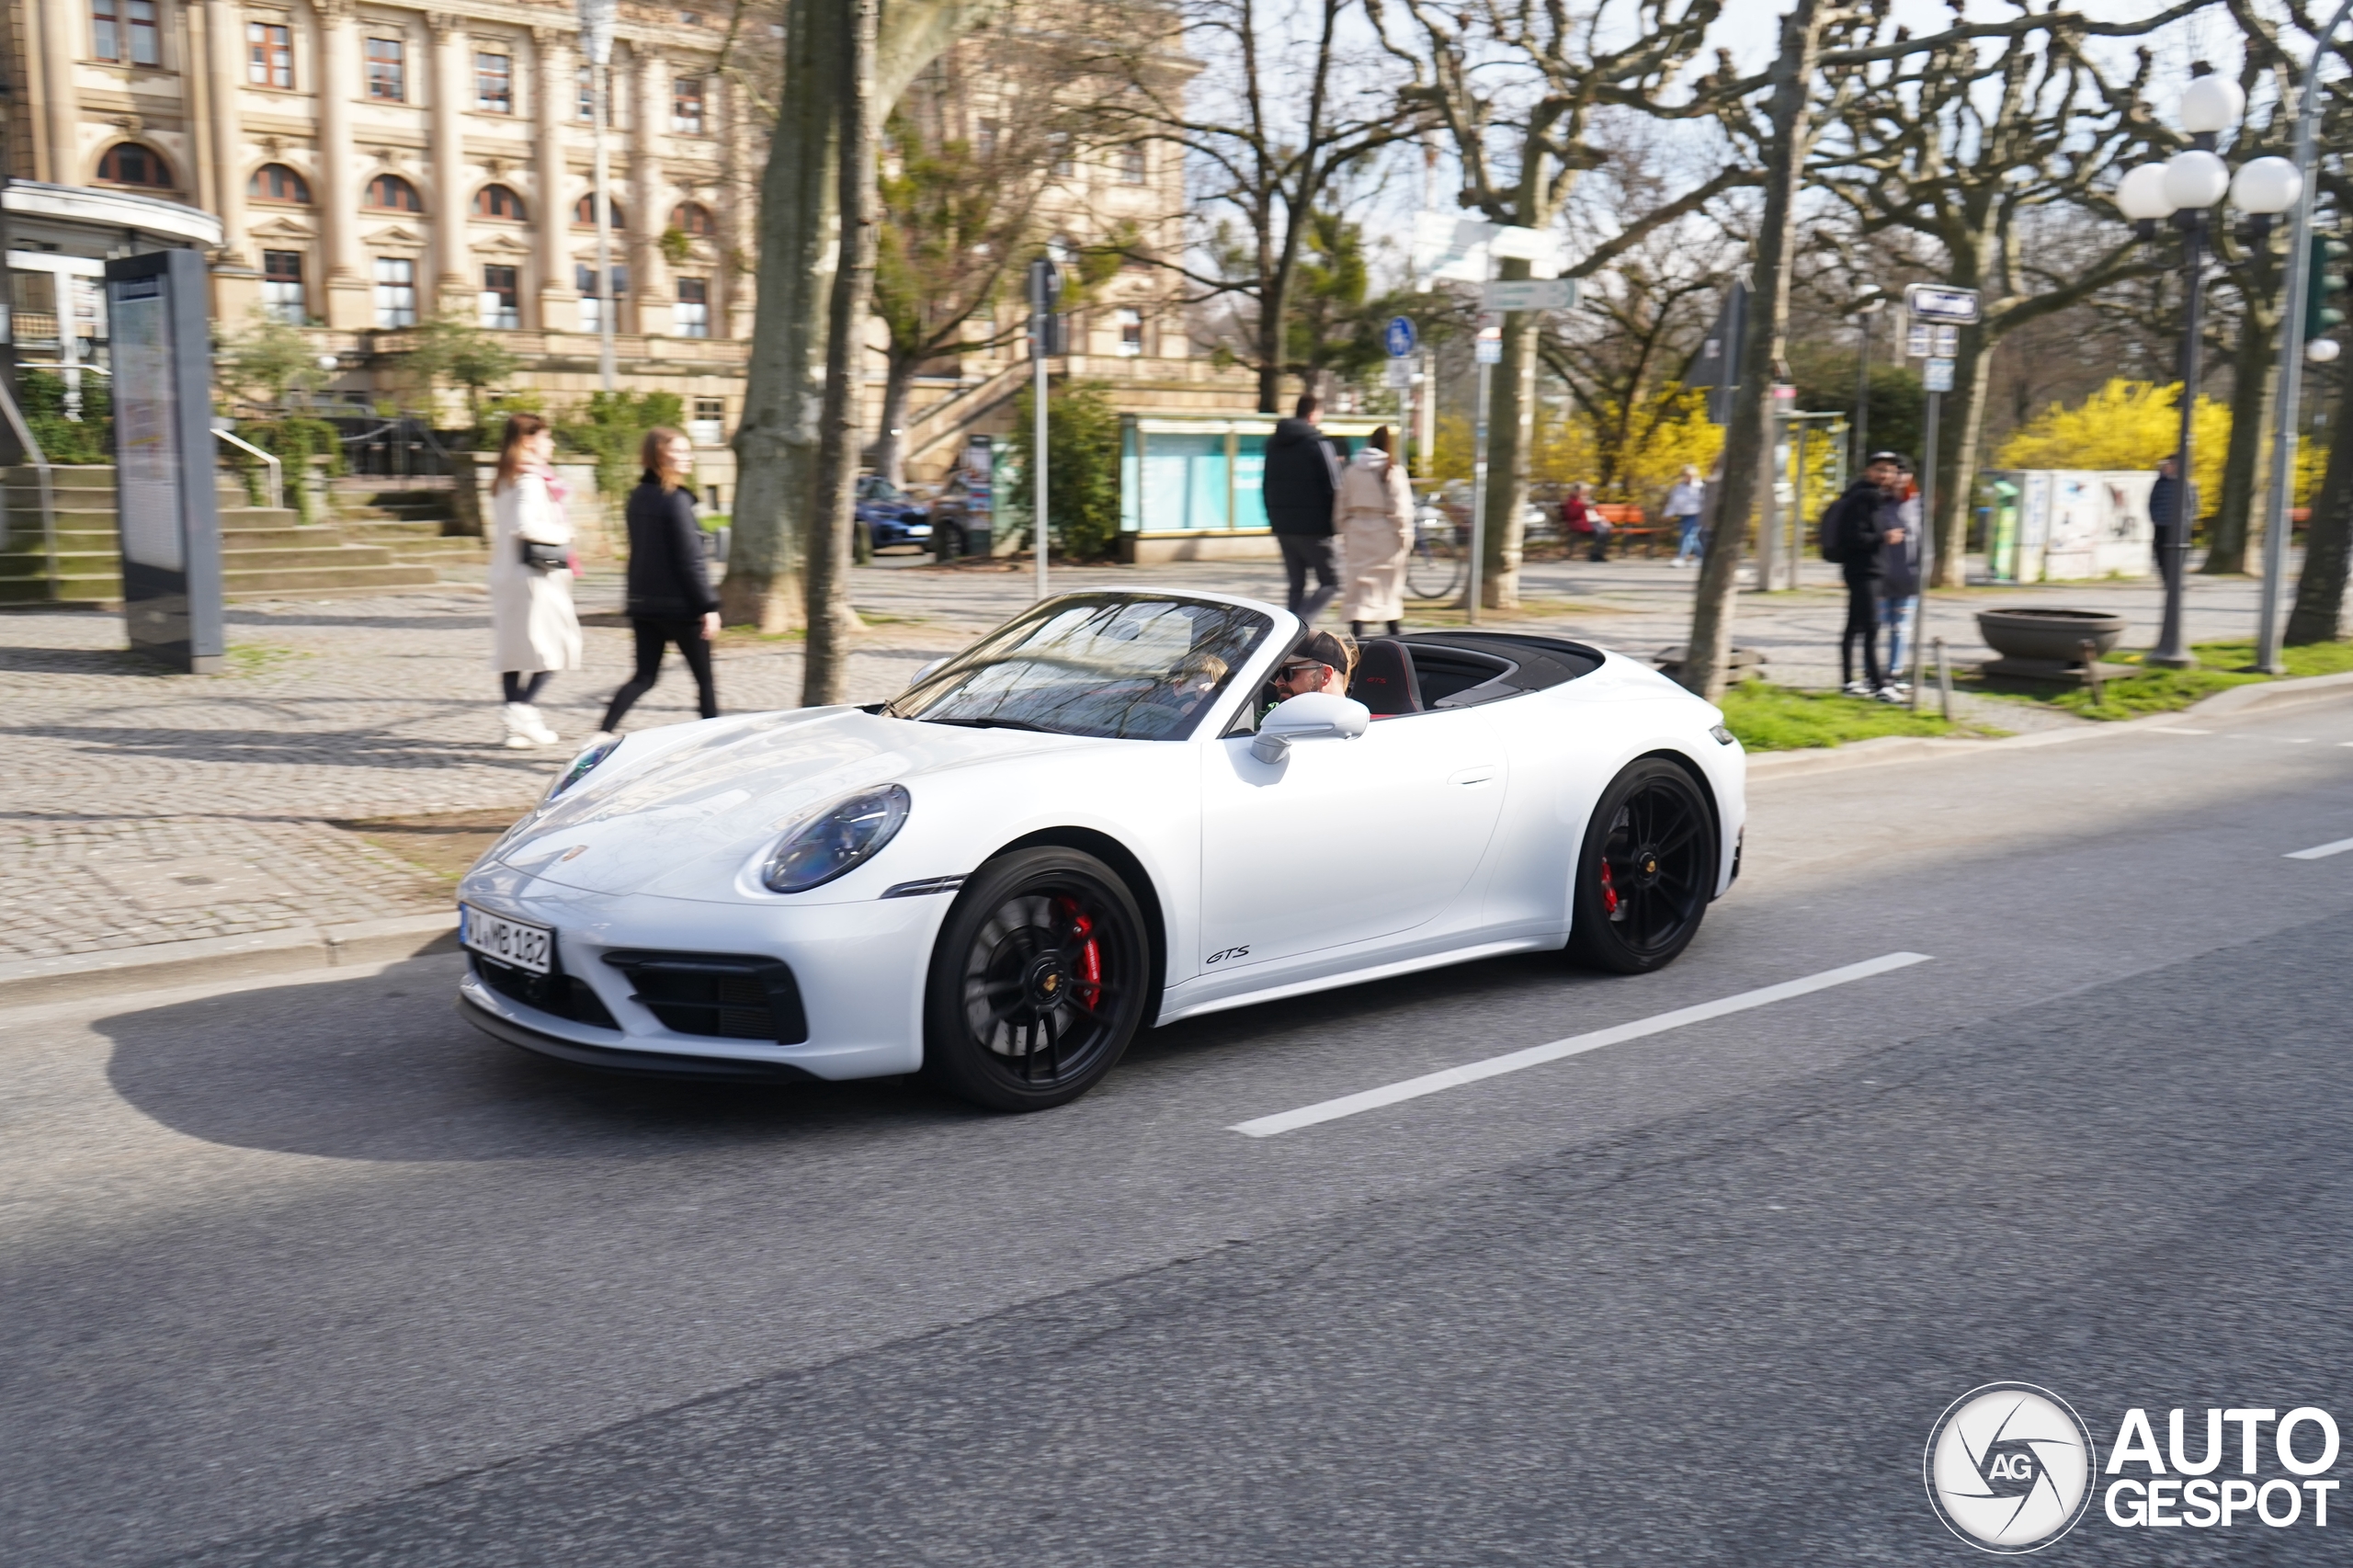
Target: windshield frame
{"points": [[1244, 676]]}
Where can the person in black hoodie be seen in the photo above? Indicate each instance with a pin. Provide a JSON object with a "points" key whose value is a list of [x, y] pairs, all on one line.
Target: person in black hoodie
{"points": [[670, 596], [1861, 526], [1302, 477]]}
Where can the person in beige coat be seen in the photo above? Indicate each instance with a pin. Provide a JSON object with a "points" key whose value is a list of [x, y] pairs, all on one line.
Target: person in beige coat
{"points": [[533, 629], [1374, 514]]}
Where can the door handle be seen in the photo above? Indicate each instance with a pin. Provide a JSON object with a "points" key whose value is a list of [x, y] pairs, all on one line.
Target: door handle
{"points": [[1479, 775]]}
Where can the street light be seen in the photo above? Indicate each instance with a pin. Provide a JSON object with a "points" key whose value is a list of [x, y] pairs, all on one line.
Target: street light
{"points": [[596, 18], [2184, 188]]}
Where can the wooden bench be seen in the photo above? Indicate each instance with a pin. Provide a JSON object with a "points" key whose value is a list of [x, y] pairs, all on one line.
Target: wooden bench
{"points": [[1626, 523]]}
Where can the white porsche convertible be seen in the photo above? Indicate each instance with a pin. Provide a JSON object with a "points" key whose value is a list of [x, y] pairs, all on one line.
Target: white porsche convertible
{"points": [[1095, 818]]}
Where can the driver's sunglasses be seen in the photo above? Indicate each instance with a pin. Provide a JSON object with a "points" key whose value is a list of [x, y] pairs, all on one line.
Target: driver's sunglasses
{"points": [[1294, 672]]}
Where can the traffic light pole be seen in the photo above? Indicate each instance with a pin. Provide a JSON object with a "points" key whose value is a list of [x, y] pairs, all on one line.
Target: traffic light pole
{"points": [[2285, 428]]}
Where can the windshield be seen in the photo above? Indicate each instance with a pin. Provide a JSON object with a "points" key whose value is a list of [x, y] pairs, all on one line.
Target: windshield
{"points": [[1125, 669], [874, 487]]}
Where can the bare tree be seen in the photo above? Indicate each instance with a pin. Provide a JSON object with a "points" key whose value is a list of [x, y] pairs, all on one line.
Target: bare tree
{"points": [[1966, 146], [1276, 119], [1516, 90], [779, 519]]}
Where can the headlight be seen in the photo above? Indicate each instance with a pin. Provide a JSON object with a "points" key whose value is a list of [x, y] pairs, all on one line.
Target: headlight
{"points": [[580, 768], [837, 840]]}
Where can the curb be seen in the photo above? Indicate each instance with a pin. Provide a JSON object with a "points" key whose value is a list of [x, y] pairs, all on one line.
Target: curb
{"points": [[1912, 748], [291, 950]]}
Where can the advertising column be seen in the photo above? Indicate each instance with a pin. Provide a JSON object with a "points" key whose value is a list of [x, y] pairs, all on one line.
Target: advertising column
{"points": [[164, 473]]}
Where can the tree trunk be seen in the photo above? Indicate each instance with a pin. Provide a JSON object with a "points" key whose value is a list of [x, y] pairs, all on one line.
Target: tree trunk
{"points": [[2319, 609], [832, 622], [775, 442], [890, 443], [2253, 380], [1509, 439], [1708, 655]]}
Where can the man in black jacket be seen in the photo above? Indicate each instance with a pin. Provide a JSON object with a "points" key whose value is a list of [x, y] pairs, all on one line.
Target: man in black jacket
{"points": [[1862, 523], [1302, 475]]}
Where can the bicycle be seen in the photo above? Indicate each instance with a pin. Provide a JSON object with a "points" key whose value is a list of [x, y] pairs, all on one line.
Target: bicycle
{"points": [[1434, 569]]}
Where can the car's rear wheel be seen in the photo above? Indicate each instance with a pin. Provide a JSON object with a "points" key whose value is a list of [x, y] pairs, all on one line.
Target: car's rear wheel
{"points": [[1038, 981], [1648, 865]]}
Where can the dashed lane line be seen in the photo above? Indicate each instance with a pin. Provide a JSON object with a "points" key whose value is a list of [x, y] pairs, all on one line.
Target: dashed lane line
{"points": [[1574, 1045], [2319, 851]]}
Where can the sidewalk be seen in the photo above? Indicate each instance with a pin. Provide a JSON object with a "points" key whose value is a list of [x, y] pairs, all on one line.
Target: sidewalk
{"points": [[142, 808]]}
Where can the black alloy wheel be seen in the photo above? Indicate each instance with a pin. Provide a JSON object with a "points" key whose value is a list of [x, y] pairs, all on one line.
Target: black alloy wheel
{"points": [[1648, 865], [1038, 981]]}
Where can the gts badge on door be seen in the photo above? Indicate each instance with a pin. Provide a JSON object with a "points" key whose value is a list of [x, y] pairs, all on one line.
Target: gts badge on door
{"points": [[1229, 953]]}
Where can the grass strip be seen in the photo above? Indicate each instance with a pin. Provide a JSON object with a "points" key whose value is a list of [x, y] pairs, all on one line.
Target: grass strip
{"points": [[1767, 716], [2221, 665]]}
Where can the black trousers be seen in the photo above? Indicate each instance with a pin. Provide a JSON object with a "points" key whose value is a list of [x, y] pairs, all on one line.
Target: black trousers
{"points": [[654, 633], [517, 687], [1862, 621], [1302, 552]]}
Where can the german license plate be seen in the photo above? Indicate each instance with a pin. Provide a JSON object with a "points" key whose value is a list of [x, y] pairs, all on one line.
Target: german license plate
{"points": [[508, 941]]}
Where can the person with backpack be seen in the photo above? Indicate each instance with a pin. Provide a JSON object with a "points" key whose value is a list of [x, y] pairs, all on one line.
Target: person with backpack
{"points": [[1855, 531]]}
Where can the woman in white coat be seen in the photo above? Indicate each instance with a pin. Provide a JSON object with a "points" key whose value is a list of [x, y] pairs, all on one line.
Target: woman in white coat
{"points": [[533, 629], [1374, 512]]}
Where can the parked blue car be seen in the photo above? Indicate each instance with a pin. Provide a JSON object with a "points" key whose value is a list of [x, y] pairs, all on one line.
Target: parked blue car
{"points": [[888, 518]]}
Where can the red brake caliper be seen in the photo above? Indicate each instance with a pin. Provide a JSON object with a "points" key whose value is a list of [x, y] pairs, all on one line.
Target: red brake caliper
{"points": [[1090, 955], [1608, 891]]}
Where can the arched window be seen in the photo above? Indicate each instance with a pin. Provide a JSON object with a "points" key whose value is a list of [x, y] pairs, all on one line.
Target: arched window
{"points": [[276, 182], [583, 214], [393, 194], [497, 201], [693, 218], [133, 163]]}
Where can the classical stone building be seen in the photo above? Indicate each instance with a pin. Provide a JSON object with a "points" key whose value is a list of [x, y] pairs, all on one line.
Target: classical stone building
{"points": [[372, 164]]}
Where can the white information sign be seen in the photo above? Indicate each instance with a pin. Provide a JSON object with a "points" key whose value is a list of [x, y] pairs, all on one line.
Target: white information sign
{"points": [[1939, 302], [1530, 295], [1936, 376]]}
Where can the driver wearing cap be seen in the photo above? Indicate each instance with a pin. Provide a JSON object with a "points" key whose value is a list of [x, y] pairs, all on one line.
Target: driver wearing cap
{"points": [[1323, 660]]}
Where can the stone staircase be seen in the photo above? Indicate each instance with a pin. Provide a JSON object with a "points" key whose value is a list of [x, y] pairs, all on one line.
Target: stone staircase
{"points": [[266, 553], [418, 524]]}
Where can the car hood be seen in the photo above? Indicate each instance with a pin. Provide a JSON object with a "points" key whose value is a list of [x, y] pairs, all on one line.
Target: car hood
{"points": [[684, 822]]}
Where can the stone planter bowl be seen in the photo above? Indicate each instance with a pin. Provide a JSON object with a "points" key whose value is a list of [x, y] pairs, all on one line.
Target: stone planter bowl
{"points": [[2051, 634]]}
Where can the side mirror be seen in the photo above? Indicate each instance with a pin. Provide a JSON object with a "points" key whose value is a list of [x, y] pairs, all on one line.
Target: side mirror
{"points": [[924, 673], [1312, 716]]}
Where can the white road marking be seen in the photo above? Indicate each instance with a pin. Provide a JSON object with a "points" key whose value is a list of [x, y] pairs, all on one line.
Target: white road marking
{"points": [[2319, 851], [2179, 730], [1575, 1045]]}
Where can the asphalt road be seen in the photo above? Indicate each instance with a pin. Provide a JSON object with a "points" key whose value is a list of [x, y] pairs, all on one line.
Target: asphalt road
{"points": [[312, 1274]]}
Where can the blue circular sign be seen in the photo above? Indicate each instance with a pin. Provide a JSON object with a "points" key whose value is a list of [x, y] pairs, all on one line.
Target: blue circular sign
{"points": [[1399, 336]]}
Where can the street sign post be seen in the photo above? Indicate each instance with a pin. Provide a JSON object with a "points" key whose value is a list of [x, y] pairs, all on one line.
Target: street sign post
{"points": [[1717, 365], [1045, 295], [1940, 302], [1400, 340], [1399, 336], [1530, 294], [1935, 375]]}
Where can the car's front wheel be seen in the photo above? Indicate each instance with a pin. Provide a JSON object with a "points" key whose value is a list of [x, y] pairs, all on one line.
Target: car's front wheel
{"points": [[1648, 864], [1038, 981]]}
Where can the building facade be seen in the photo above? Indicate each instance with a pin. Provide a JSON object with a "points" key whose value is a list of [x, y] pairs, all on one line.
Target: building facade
{"points": [[374, 164]]}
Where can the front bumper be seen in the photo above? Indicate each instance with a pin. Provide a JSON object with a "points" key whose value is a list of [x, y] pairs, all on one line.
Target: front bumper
{"points": [[605, 1059], [861, 970]]}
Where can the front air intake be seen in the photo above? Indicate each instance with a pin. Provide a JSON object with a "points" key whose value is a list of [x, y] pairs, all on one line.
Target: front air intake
{"points": [[723, 995]]}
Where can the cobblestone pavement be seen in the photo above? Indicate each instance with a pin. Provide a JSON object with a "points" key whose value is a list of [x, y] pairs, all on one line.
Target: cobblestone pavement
{"points": [[138, 807]]}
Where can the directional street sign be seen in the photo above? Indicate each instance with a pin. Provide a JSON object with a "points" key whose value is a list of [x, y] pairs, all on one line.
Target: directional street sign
{"points": [[1398, 336], [1919, 340], [1948, 342], [1936, 376], [1937, 302], [1530, 295]]}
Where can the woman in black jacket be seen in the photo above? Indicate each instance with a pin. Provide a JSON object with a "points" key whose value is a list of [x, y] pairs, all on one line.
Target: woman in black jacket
{"points": [[670, 598]]}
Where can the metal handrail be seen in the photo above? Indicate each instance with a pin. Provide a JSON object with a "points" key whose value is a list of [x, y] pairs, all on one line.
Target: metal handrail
{"points": [[277, 474], [40, 466]]}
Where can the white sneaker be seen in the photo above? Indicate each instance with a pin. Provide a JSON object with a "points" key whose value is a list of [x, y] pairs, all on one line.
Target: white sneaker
{"points": [[520, 730], [536, 728], [1888, 694], [1856, 688]]}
